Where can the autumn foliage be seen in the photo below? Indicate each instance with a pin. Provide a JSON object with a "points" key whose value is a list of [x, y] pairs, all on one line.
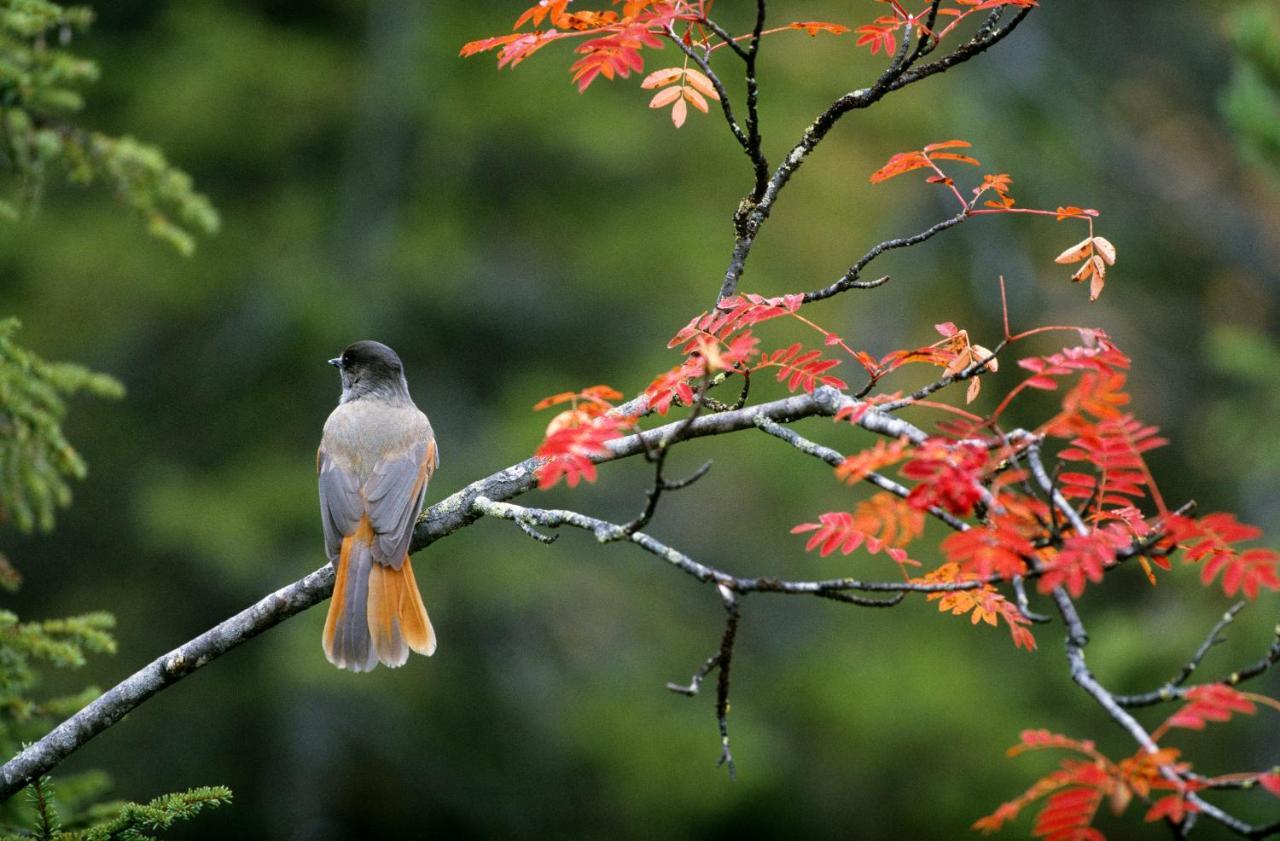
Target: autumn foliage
{"points": [[1056, 507]]}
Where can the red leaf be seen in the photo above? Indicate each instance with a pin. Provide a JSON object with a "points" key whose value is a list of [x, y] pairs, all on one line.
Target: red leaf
{"points": [[1083, 557], [800, 368], [1211, 702], [878, 36], [948, 474], [674, 385], [570, 452], [1209, 540], [1174, 807], [1114, 447], [732, 315], [839, 530], [857, 467], [996, 550]]}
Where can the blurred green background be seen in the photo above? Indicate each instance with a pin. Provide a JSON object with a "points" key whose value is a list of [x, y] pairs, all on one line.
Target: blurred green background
{"points": [[512, 238]]}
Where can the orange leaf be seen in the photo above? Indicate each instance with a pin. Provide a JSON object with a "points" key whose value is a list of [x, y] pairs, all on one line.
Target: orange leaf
{"points": [[857, 467], [1077, 252], [659, 78], [664, 97], [699, 82], [813, 27], [696, 98], [679, 112], [1105, 249]]}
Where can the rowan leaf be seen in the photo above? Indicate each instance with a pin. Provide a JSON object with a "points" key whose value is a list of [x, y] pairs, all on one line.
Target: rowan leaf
{"points": [[679, 111], [878, 36], [1083, 557], [570, 452], [696, 99], [982, 603], [1210, 541], [1114, 448], [1171, 807], [882, 454], [1210, 702], [699, 82], [674, 385], [948, 474], [799, 368], [663, 77], [1077, 252], [813, 27], [843, 531], [999, 549], [664, 97]]}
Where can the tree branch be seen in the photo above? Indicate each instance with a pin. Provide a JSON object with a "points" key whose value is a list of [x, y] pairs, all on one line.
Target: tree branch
{"points": [[701, 60], [1174, 689], [112, 705], [1076, 641], [851, 278], [753, 213], [445, 517]]}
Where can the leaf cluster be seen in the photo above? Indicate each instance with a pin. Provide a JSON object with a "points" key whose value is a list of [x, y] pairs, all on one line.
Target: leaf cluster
{"points": [[36, 460], [59, 815], [40, 94]]}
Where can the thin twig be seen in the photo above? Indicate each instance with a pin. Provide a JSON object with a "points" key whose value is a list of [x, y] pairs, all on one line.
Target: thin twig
{"points": [[835, 459], [705, 66], [760, 163], [753, 213], [1174, 689], [734, 613], [607, 532], [851, 280]]}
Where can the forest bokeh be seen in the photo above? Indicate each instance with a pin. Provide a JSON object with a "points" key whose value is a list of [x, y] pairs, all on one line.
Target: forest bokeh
{"points": [[512, 238]]}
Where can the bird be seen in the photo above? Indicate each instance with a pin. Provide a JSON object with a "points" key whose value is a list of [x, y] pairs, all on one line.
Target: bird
{"points": [[376, 458]]}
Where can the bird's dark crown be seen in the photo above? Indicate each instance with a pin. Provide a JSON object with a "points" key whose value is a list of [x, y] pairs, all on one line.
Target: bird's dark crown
{"points": [[371, 369], [374, 357]]}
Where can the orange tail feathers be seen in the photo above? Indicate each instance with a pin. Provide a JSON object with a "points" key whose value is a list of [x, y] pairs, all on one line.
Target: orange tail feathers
{"points": [[376, 613], [397, 618]]}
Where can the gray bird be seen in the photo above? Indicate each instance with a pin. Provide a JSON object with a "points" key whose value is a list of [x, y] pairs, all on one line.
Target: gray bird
{"points": [[376, 457]]}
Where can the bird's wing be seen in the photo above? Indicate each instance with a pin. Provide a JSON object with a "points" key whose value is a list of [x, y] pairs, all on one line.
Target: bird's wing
{"points": [[393, 497], [341, 504]]}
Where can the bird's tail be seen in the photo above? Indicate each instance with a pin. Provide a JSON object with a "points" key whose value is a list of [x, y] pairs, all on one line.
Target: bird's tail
{"points": [[376, 613]]}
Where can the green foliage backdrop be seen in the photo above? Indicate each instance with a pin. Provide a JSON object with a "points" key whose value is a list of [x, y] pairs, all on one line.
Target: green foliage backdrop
{"points": [[511, 239]]}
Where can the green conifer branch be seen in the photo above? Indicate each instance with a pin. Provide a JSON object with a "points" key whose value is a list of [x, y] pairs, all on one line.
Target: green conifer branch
{"points": [[36, 460], [40, 81]]}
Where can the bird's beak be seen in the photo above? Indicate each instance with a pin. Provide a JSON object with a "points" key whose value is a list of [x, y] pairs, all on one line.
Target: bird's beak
{"points": [[336, 362]]}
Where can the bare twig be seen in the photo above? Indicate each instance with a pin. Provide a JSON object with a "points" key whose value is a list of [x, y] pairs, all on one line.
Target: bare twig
{"points": [[851, 278], [753, 212], [1174, 689], [607, 532], [733, 614], [758, 159]]}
